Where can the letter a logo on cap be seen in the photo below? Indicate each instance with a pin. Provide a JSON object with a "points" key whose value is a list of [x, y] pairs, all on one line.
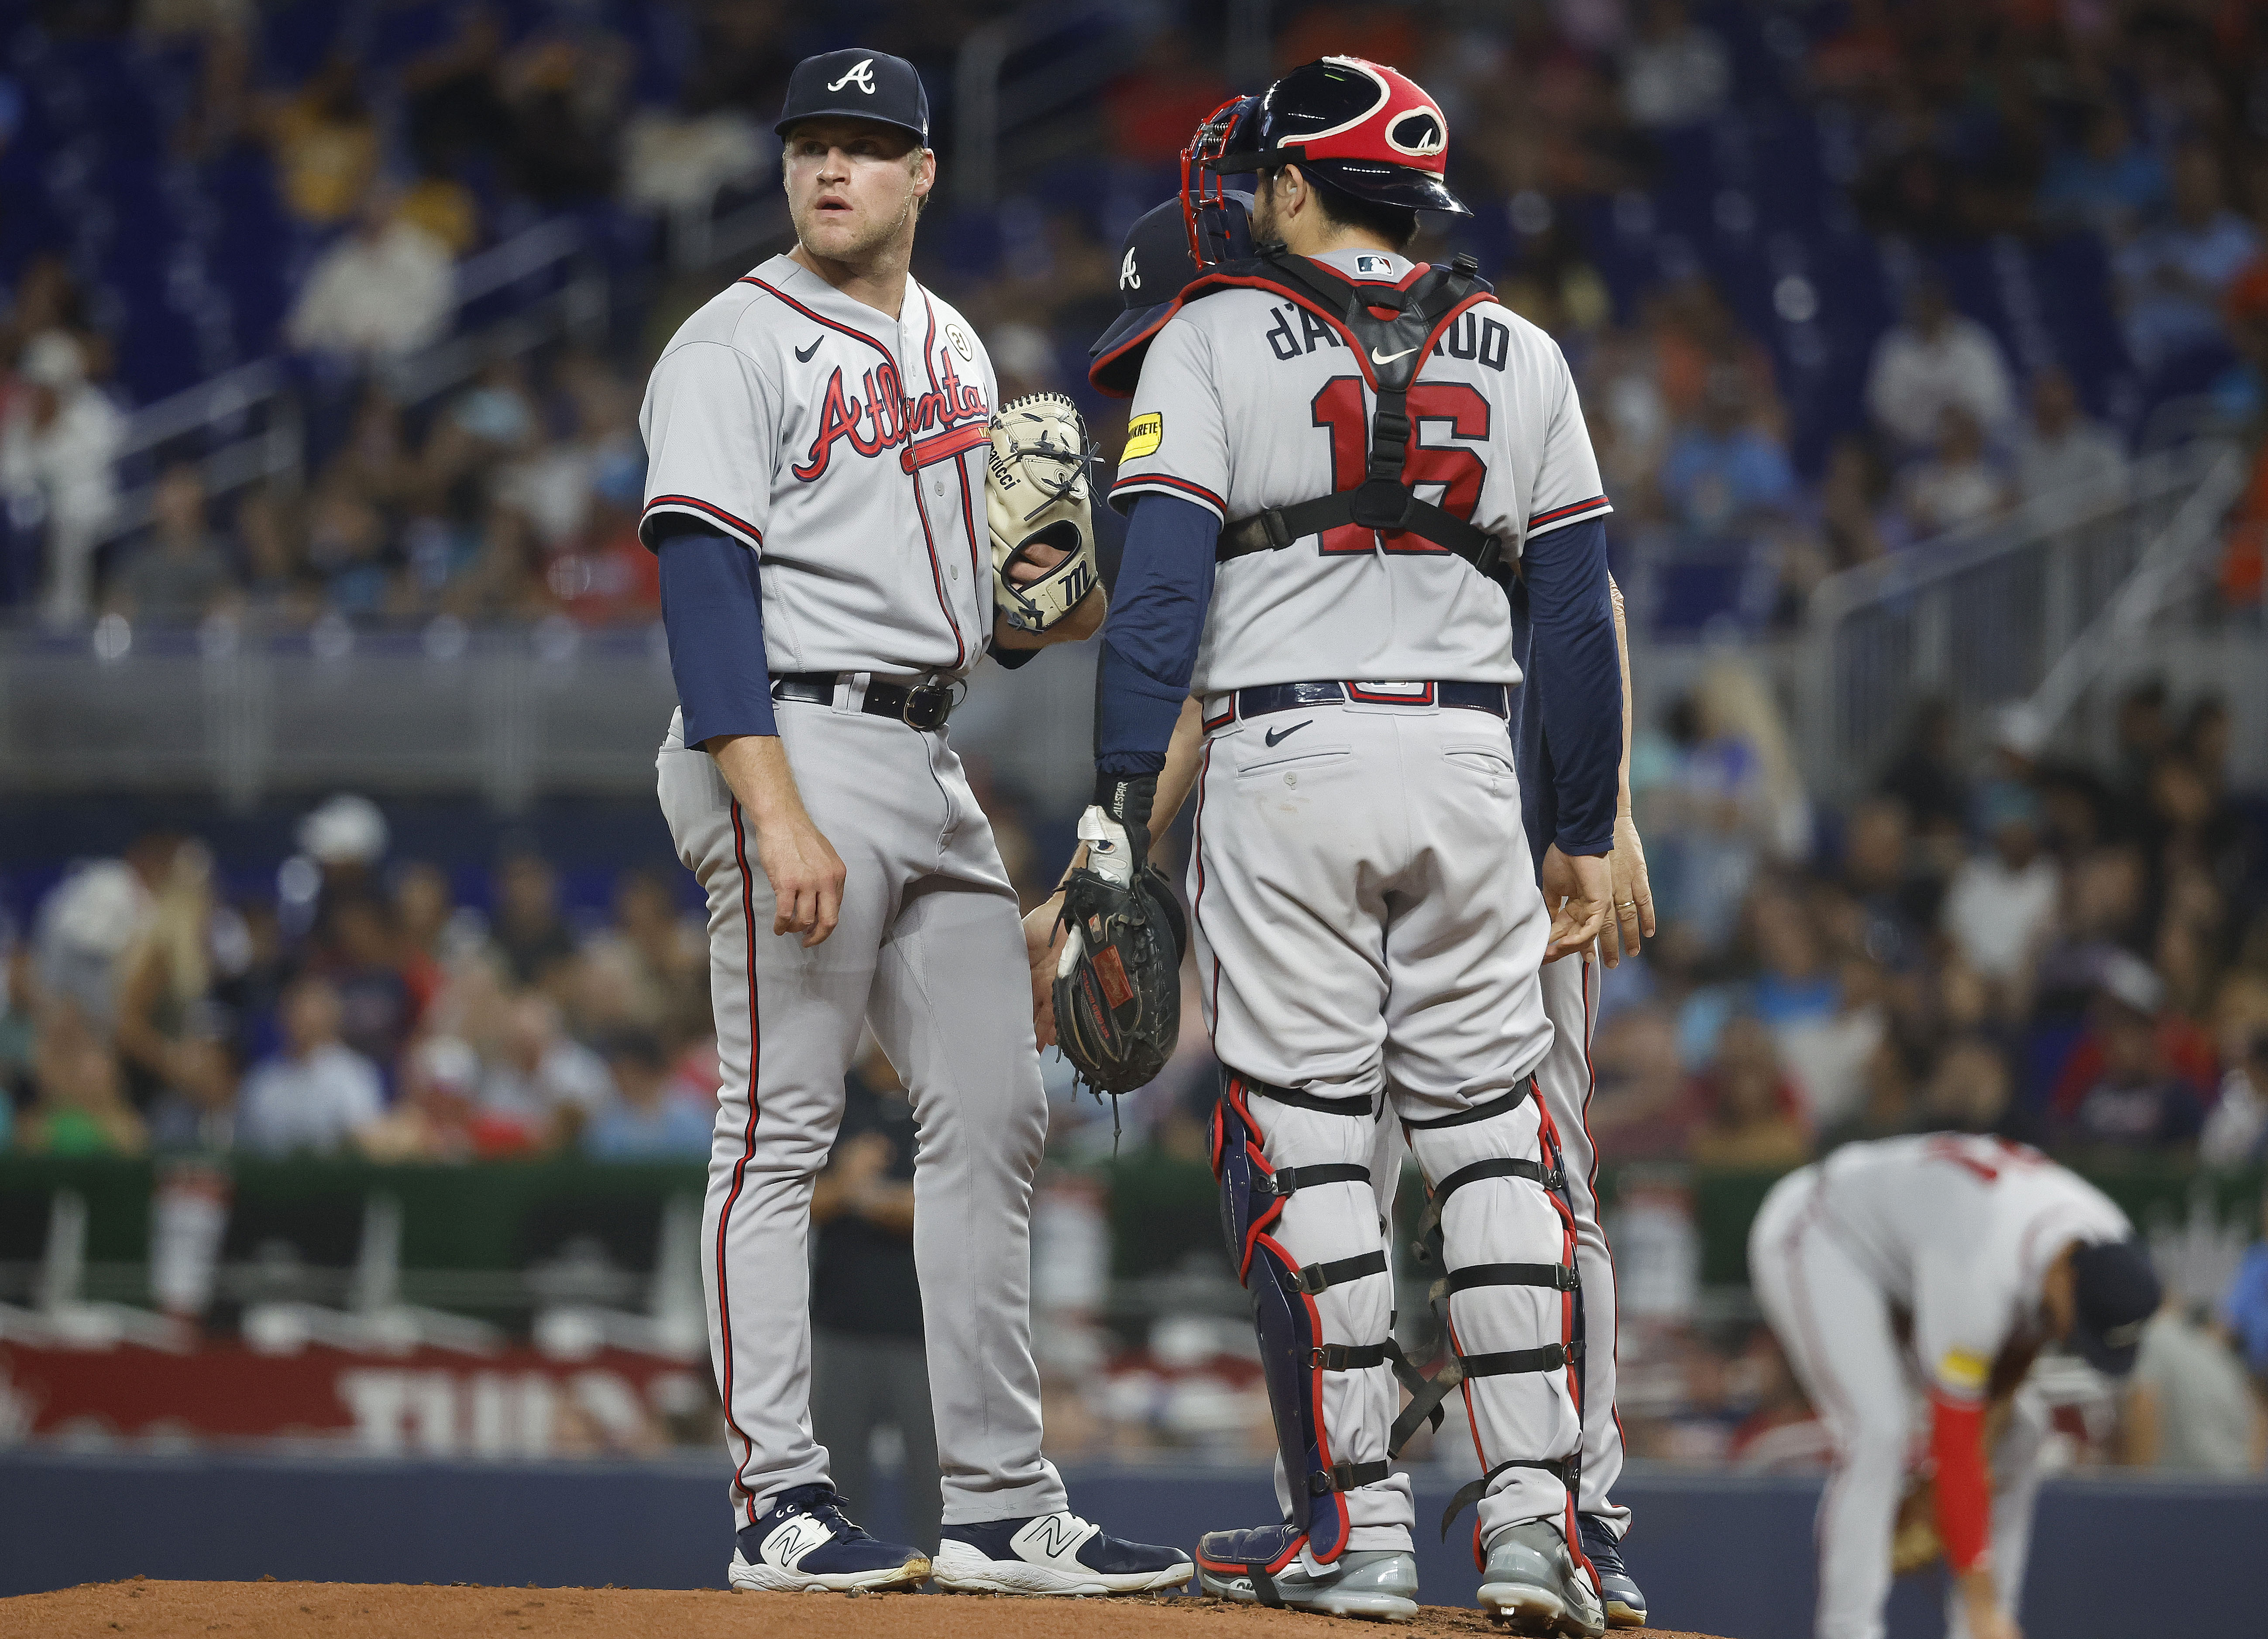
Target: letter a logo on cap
{"points": [[861, 75], [1129, 279]]}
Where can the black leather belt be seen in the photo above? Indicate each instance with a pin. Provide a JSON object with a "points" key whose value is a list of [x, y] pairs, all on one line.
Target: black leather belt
{"points": [[923, 706], [1256, 703]]}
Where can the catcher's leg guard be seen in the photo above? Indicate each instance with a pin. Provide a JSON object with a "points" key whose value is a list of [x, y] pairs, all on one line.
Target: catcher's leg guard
{"points": [[1507, 1247], [1296, 1358]]}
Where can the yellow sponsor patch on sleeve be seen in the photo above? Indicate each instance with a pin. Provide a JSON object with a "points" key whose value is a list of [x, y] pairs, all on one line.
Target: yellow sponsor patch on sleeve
{"points": [[1964, 1370], [1144, 434]]}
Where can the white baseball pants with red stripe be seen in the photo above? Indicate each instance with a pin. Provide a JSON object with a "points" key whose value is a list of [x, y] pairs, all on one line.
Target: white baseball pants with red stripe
{"points": [[1834, 1323], [1564, 1083], [929, 953]]}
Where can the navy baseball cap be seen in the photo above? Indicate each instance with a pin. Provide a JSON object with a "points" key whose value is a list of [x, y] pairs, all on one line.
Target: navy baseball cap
{"points": [[2117, 1291], [1154, 268], [857, 85]]}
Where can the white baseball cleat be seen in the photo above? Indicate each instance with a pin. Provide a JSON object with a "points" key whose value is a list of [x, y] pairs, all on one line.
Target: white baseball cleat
{"points": [[1056, 1553]]}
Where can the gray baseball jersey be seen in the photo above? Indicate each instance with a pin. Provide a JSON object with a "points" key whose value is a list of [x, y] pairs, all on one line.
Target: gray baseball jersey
{"points": [[1246, 400], [849, 452], [848, 449], [1367, 922], [1901, 1253]]}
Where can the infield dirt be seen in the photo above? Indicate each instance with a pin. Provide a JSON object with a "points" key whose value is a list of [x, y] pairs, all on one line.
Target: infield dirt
{"points": [[141, 1609]]}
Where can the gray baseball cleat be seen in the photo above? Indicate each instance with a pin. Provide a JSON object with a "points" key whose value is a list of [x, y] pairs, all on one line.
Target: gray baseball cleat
{"points": [[1532, 1584], [1378, 1585]]}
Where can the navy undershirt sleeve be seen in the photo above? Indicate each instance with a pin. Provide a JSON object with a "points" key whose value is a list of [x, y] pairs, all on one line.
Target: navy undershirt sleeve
{"points": [[1150, 640], [712, 607], [1579, 704]]}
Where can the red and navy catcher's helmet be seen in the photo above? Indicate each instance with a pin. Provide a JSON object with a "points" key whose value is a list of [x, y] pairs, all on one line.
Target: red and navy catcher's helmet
{"points": [[1362, 127]]}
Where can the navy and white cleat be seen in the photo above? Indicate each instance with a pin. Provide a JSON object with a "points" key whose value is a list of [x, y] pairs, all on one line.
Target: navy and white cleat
{"points": [[1056, 1553], [806, 1545], [1625, 1604], [1262, 1567]]}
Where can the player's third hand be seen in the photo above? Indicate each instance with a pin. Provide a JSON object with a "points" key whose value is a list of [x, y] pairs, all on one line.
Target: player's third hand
{"points": [[1633, 921], [1578, 889], [806, 874]]}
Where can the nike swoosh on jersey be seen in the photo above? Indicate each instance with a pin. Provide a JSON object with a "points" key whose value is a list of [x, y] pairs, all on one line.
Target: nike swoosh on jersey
{"points": [[1275, 735], [803, 354], [1377, 358]]}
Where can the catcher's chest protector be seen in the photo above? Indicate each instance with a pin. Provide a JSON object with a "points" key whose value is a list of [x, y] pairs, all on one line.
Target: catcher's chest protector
{"points": [[1391, 330]]}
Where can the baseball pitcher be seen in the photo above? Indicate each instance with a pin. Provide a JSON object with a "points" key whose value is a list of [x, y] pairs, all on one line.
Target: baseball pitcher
{"points": [[846, 520]]}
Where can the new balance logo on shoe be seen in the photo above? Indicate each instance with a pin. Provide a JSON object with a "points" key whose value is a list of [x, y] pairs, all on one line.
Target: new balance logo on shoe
{"points": [[1054, 1535], [795, 1537]]}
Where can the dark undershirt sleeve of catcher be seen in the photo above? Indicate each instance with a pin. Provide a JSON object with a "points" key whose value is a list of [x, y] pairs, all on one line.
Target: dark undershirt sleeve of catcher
{"points": [[712, 607], [1572, 651], [1150, 640]]}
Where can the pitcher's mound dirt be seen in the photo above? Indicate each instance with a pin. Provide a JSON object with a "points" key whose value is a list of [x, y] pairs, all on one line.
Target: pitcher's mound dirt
{"points": [[141, 1609]]}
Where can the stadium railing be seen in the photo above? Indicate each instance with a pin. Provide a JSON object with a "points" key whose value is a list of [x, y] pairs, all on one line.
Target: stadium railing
{"points": [[2016, 624]]}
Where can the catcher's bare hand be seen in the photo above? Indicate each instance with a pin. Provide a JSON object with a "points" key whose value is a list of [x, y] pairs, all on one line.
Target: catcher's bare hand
{"points": [[1633, 895], [1043, 941], [1577, 888], [806, 874]]}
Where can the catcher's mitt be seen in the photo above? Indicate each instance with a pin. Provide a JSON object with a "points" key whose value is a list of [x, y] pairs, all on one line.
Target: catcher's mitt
{"points": [[1036, 493], [1118, 981]]}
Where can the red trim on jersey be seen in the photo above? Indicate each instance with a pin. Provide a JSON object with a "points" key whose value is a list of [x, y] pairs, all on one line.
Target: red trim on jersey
{"points": [[1597, 502], [940, 447], [716, 512], [1171, 482], [928, 537], [1225, 719], [849, 330], [747, 1151]]}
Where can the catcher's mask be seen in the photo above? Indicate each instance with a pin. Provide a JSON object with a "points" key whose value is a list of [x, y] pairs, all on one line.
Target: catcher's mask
{"points": [[1367, 129], [1216, 227]]}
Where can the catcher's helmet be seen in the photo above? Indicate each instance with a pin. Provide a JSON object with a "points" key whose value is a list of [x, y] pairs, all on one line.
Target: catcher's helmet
{"points": [[1362, 127]]}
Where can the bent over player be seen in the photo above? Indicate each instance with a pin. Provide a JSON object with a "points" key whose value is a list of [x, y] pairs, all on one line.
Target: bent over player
{"points": [[1959, 1258], [819, 436], [1333, 454]]}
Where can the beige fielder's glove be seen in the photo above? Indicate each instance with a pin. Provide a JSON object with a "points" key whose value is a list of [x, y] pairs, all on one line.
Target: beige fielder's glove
{"points": [[1036, 494]]}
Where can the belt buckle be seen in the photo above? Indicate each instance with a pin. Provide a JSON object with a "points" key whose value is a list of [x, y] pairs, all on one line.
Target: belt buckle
{"points": [[927, 707]]}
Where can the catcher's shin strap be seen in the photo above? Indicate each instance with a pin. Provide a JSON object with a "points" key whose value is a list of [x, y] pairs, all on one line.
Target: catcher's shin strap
{"points": [[1349, 1357], [1302, 1101], [1559, 1276], [1426, 1395], [1346, 1476], [1311, 1278], [1384, 321], [923, 706], [1474, 1490], [1289, 1180]]}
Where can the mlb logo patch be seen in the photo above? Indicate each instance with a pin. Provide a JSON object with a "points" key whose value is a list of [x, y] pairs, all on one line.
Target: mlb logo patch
{"points": [[1366, 266]]}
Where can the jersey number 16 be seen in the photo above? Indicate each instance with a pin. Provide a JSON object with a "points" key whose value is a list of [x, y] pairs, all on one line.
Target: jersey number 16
{"points": [[1339, 411]]}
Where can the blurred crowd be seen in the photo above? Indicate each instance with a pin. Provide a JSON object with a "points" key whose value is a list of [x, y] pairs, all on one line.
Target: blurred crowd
{"points": [[1759, 428], [1991, 940], [359, 1010]]}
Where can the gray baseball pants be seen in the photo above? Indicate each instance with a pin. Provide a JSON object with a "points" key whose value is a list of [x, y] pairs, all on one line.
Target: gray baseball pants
{"points": [[929, 953]]}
